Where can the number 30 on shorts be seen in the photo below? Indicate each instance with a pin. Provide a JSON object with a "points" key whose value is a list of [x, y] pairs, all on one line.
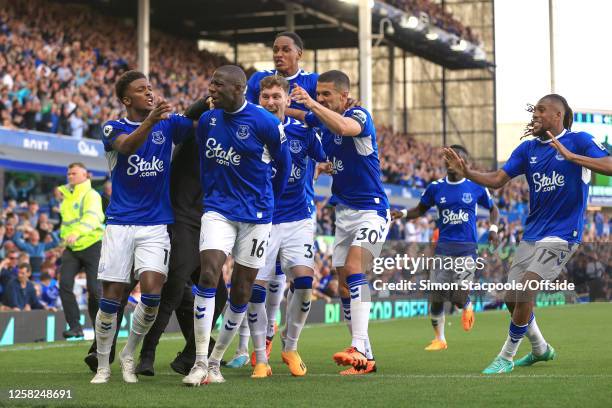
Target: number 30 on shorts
{"points": [[372, 235]]}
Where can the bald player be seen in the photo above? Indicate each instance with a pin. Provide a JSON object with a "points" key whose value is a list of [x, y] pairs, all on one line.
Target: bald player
{"points": [[237, 143]]}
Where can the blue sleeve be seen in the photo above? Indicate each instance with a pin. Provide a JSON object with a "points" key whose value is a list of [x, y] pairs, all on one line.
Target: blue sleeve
{"points": [[311, 120], [312, 86], [54, 241], [428, 196], [590, 147], [182, 128], [515, 166], [315, 147], [252, 91], [110, 131], [362, 117], [484, 198], [22, 244], [275, 139]]}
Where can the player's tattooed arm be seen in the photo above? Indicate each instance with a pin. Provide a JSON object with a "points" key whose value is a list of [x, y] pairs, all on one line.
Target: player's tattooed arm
{"points": [[601, 165], [129, 144], [493, 179], [415, 212], [338, 124]]}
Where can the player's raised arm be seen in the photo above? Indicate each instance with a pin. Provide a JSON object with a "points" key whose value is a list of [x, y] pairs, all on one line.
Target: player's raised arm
{"points": [[493, 179], [596, 157], [340, 125], [296, 113], [129, 143], [196, 109], [415, 212]]}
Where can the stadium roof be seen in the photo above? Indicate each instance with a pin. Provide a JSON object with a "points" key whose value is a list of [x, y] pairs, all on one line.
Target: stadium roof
{"points": [[323, 24]]}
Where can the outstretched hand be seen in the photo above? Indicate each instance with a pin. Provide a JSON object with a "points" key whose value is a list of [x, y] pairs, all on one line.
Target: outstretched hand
{"points": [[162, 111], [323, 168], [299, 95], [567, 155], [396, 215], [454, 162]]}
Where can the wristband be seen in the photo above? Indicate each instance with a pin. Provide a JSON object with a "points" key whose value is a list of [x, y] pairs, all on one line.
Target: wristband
{"points": [[404, 213]]}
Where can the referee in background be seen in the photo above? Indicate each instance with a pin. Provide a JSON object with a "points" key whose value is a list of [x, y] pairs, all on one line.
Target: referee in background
{"points": [[81, 230]]}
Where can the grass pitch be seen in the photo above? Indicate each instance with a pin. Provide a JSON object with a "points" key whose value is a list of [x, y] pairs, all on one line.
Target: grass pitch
{"points": [[407, 375]]}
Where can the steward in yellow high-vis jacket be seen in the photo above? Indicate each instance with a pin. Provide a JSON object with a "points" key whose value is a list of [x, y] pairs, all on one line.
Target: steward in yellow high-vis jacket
{"points": [[81, 229]]}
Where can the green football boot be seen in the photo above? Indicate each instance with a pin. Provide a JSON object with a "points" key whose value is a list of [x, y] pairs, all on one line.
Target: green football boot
{"points": [[499, 366], [531, 359]]}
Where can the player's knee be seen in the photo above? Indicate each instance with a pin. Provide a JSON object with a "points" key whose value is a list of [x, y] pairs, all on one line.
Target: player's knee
{"points": [[301, 271], [207, 280], [113, 291], [240, 293]]}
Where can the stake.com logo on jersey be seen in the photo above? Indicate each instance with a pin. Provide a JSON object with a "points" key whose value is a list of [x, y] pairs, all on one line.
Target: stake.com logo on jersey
{"points": [[545, 183], [224, 157], [143, 167], [337, 165]]}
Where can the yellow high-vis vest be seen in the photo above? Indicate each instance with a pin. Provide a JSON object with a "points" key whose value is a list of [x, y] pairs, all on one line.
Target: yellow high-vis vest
{"points": [[82, 215]]}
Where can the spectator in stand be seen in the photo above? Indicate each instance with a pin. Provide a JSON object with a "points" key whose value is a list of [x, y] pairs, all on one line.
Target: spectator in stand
{"points": [[54, 205], [32, 213], [8, 271], [34, 247], [20, 190], [49, 292], [44, 226], [59, 62], [20, 294]]}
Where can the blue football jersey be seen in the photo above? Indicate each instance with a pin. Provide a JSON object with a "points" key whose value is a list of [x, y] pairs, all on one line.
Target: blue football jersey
{"points": [[305, 146], [236, 154], [141, 181], [457, 204], [558, 189], [356, 168], [306, 80]]}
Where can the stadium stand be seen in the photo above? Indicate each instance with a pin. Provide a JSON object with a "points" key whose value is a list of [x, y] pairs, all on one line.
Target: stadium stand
{"points": [[53, 79]]}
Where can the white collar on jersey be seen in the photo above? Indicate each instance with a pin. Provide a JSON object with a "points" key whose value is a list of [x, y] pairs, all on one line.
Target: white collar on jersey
{"points": [[454, 182], [287, 121], [289, 78], [239, 109], [559, 136], [129, 122]]}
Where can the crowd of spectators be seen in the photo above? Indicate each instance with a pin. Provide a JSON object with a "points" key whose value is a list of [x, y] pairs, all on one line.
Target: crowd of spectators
{"points": [[30, 251], [438, 15], [57, 71]]}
